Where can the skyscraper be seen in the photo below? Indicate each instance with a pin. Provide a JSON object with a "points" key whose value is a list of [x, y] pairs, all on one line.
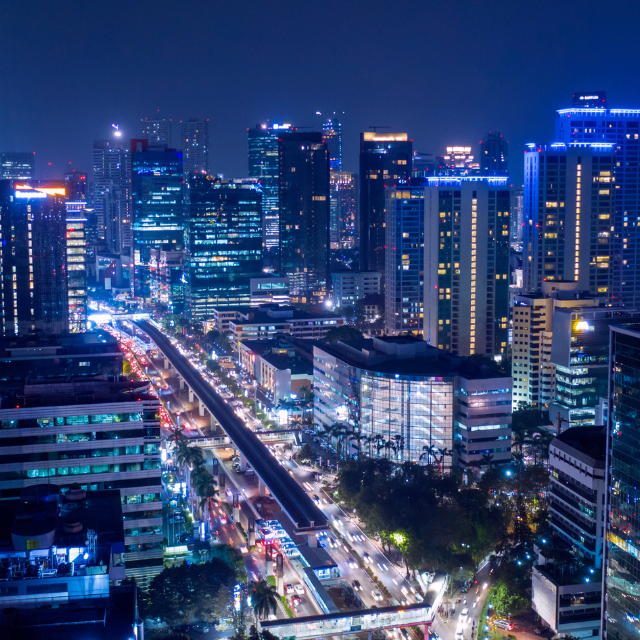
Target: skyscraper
{"points": [[332, 137], [159, 219], [343, 229], [76, 240], [494, 155], [194, 142], [385, 161], [569, 196], [589, 122], [112, 194], [466, 265], [622, 556], [516, 214], [263, 166], [304, 214], [157, 132], [17, 164], [404, 278], [75, 185], [225, 242], [33, 269], [458, 161]]}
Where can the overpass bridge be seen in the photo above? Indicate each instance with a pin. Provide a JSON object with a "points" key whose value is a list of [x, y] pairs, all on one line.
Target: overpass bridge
{"points": [[269, 437], [365, 620], [304, 514]]}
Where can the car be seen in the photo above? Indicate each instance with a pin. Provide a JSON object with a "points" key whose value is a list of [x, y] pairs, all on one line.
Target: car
{"points": [[503, 624], [351, 561], [459, 634], [316, 499], [288, 588], [296, 601], [223, 519], [201, 627], [403, 601], [376, 595], [367, 558], [404, 633], [244, 548], [419, 598], [464, 615], [356, 586], [299, 589]]}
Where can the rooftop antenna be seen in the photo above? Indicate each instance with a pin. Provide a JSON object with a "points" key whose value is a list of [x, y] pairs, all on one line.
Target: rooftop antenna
{"points": [[375, 127]]}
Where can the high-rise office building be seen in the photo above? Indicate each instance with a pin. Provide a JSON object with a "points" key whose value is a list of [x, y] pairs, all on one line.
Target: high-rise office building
{"points": [[385, 161], [76, 238], [589, 122], [304, 214], [622, 553], [75, 186], [343, 209], [112, 195], [404, 278], [225, 243], [466, 267], [516, 214], [159, 217], [33, 262], [424, 165], [332, 137], [263, 166], [17, 164], [494, 155], [458, 161], [157, 132], [194, 142], [569, 199]]}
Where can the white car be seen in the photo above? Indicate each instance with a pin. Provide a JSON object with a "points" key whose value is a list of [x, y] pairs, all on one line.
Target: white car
{"points": [[299, 589], [376, 595], [288, 588], [459, 634]]}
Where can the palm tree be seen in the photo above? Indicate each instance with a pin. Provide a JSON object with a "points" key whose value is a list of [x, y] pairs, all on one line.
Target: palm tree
{"points": [[399, 442], [189, 456], [204, 485], [380, 443], [431, 453], [443, 453], [264, 599], [358, 438], [487, 460]]}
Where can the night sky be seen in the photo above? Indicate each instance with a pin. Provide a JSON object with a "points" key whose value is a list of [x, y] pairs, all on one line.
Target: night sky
{"points": [[445, 72]]}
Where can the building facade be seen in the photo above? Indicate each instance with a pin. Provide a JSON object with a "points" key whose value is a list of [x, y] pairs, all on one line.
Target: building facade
{"points": [[351, 286], [112, 195], [622, 563], [76, 239], [304, 214], [569, 202], [225, 242], [466, 265], [344, 209], [19, 165], [263, 166], [494, 155], [516, 213], [588, 123], [157, 132], [194, 142], [404, 264], [159, 217], [33, 257], [385, 161]]}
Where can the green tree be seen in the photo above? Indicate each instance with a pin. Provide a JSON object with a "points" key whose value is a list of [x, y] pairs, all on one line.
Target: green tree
{"points": [[212, 365], [342, 333], [306, 453], [264, 599], [184, 592]]}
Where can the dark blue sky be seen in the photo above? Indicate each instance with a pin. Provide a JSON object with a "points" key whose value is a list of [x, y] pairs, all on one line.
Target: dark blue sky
{"points": [[444, 71]]}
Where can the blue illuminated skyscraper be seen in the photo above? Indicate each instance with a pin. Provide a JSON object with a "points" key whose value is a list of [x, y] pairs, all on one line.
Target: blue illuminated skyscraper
{"points": [[332, 137], [159, 217], [589, 122], [263, 166], [225, 242]]}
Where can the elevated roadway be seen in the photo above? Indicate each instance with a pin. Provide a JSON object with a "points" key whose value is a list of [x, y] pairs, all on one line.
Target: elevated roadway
{"points": [[300, 509]]}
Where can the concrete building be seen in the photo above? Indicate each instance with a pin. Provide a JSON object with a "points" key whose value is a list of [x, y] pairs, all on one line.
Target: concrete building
{"points": [[279, 366], [267, 320], [403, 396], [534, 375], [96, 433], [566, 594], [350, 286], [273, 289]]}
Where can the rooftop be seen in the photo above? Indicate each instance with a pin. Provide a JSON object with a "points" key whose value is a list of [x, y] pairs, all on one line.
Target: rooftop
{"points": [[54, 345], [587, 443], [409, 356]]}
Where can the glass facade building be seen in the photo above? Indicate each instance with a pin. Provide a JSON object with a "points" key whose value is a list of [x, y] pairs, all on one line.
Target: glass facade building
{"points": [[263, 166], [344, 209], [225, 243], [332, 137], [404, 277], [618, 130], [494, 155], [33, 257], [17, 164], [621, 600], [77, 265], [304, 214], [159, 216], [385, 161], [194, 142]]}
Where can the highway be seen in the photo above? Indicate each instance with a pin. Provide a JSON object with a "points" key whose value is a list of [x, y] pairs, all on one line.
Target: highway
{"points": [[293, 500]]}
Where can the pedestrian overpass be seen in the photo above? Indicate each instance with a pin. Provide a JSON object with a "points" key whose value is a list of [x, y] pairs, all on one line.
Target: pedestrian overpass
{"points": [[362, 621]]}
